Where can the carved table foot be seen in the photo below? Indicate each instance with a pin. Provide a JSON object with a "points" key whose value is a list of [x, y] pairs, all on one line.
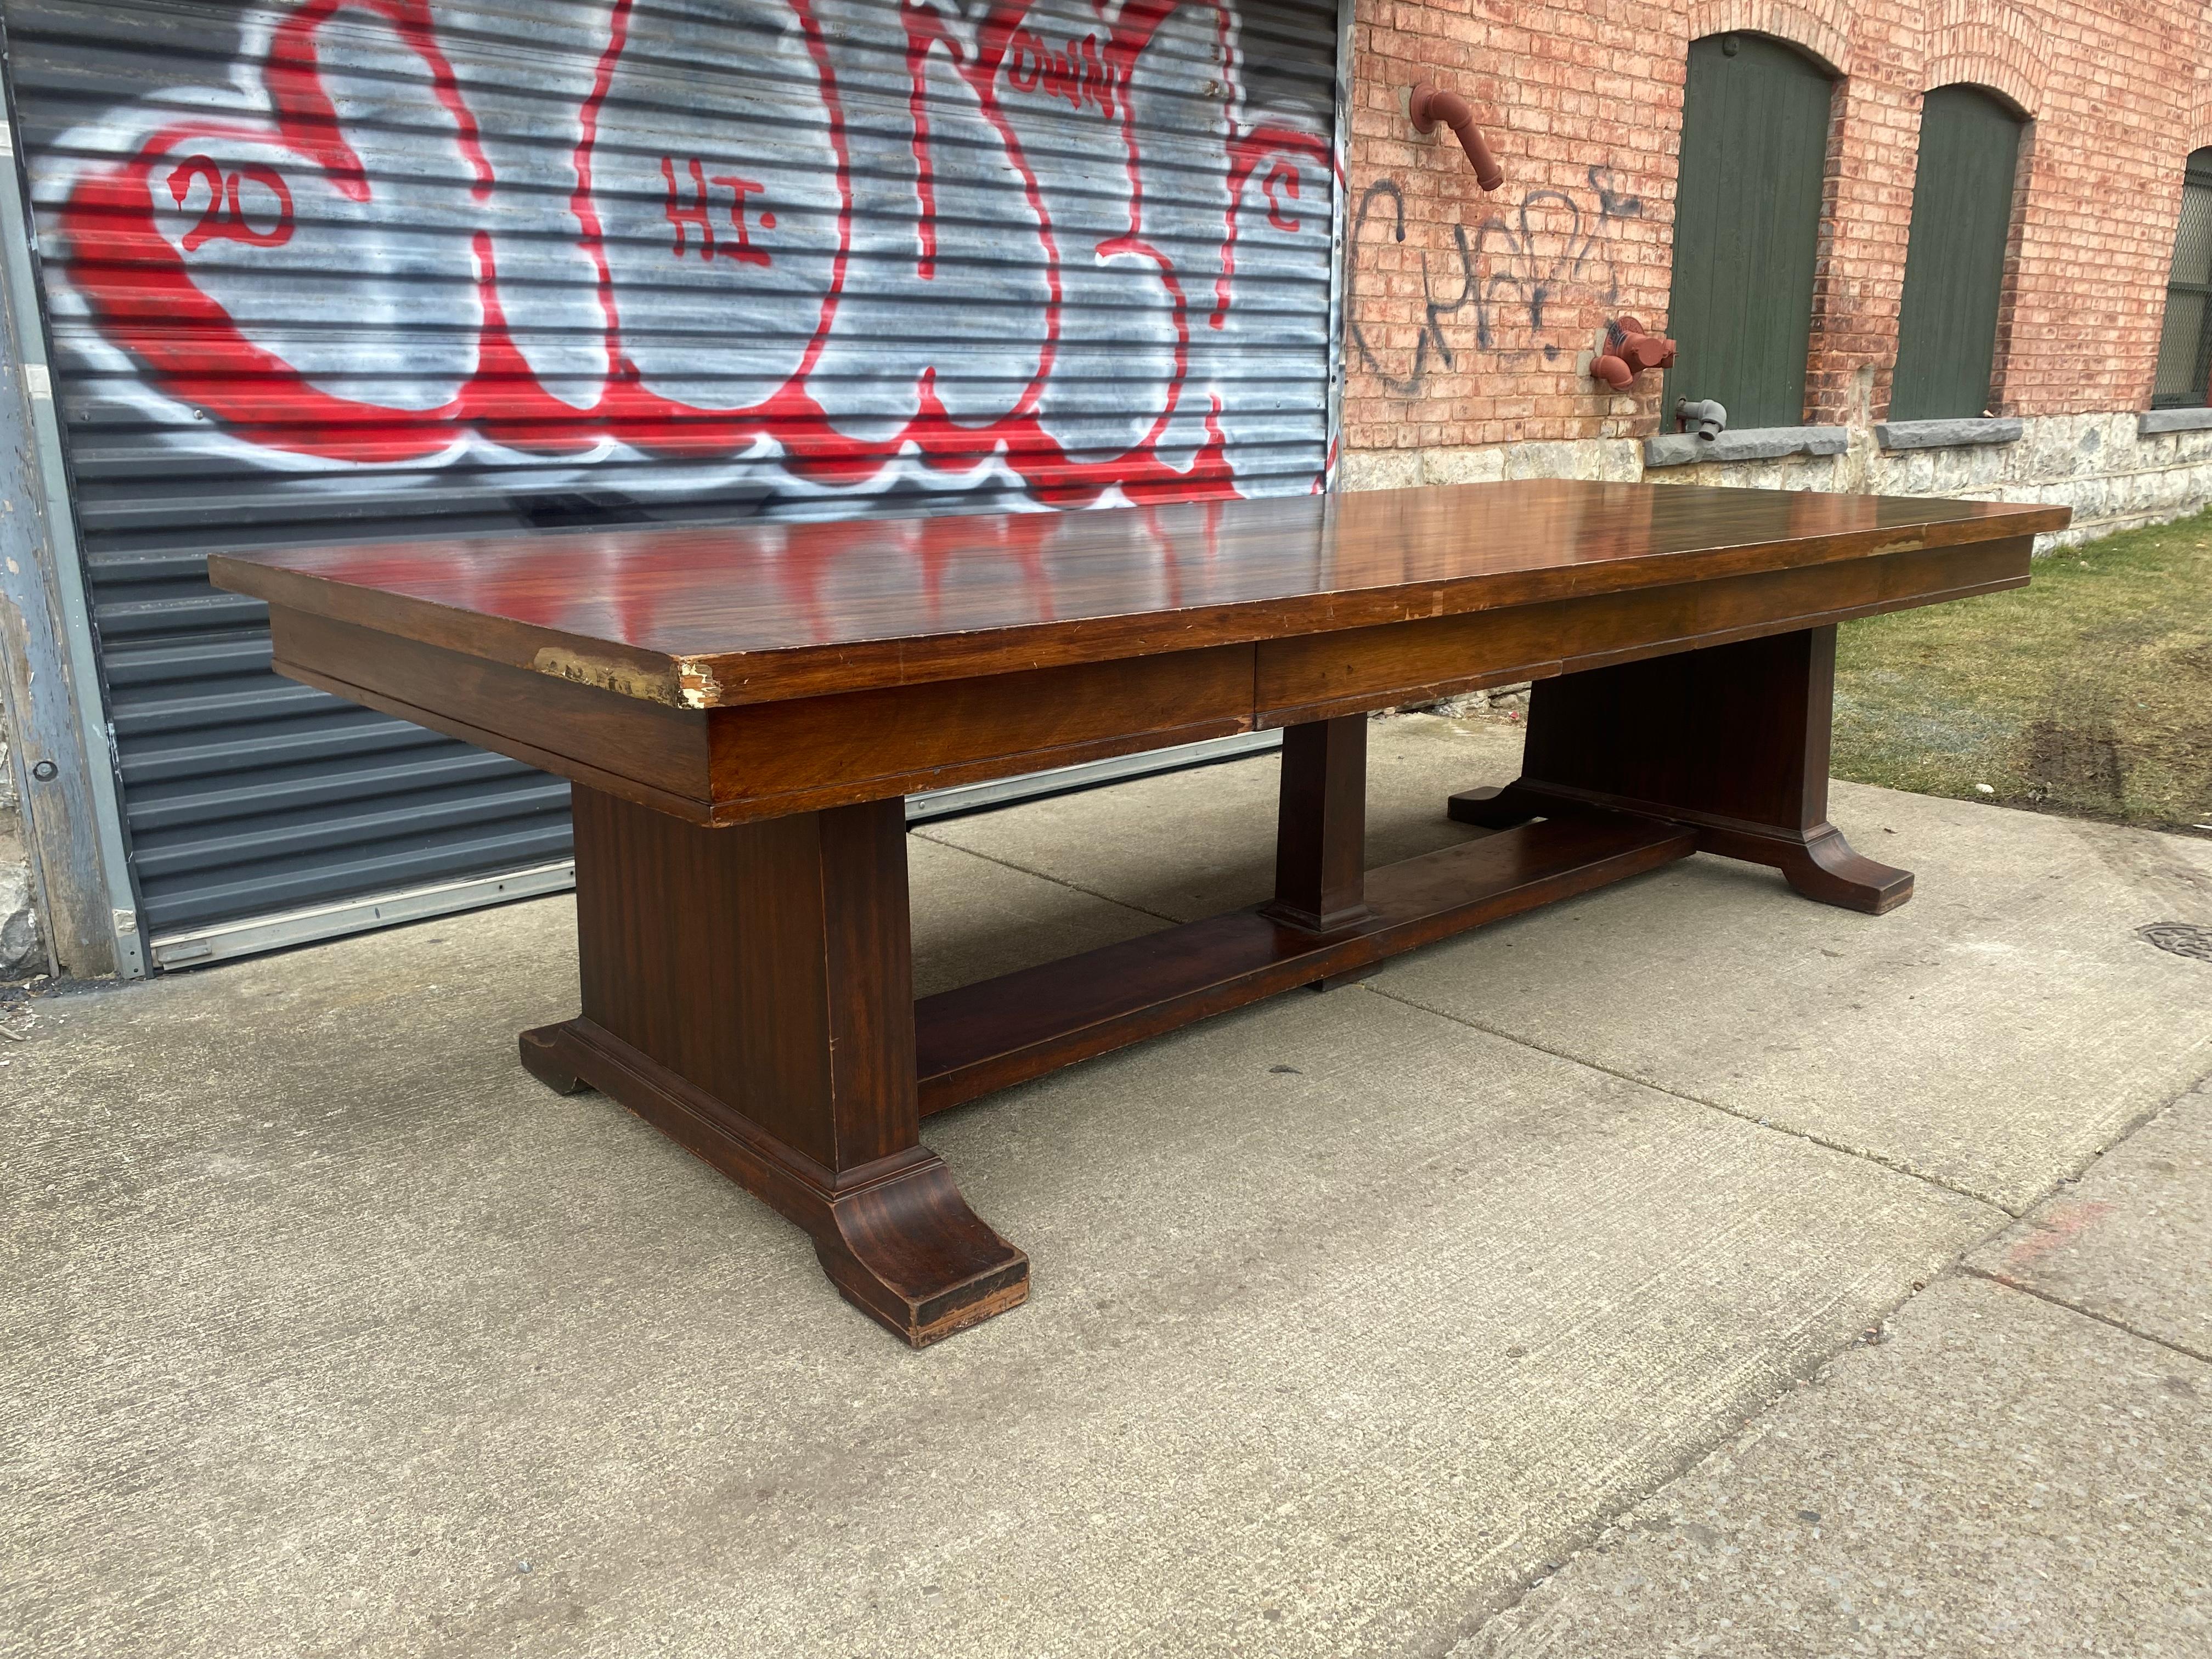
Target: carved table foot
{"points": [[1824, 868], [1492, 809], [910, 1253], [748, 992], [894, 1235], [541, 1058]]}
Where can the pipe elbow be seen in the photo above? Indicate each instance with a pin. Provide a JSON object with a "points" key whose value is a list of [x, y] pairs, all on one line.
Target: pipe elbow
{"points": [[1614, 371], [1429, 105], [1450, 107]]}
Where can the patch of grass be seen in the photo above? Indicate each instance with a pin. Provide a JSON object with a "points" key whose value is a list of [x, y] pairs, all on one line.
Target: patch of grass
{"points": [[2090, 691]]}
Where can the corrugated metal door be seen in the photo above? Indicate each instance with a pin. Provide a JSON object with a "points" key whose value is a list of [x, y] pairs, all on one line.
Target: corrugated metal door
{"points": [[374, 267]]}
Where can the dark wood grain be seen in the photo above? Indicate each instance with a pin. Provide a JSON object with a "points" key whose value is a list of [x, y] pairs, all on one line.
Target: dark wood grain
{"points": [[749, 992], [1003, 1030], [645, 752], [821, 751], [729, 765], [705, 617], [1732, 741]]}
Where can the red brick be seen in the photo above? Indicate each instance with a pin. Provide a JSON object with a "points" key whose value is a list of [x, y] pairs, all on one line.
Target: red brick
{"points": [[1560, 89]]}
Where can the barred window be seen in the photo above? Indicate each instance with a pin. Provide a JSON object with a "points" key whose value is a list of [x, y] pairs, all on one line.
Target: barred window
{"points": [[2185, 345]]}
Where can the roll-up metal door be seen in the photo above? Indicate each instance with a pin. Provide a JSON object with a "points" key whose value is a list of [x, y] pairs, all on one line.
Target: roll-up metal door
{"points": [[352, 267]]}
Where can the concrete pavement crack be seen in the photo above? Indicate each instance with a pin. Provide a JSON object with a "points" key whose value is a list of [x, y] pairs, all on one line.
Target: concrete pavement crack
{"points": [[2120, 1325]]}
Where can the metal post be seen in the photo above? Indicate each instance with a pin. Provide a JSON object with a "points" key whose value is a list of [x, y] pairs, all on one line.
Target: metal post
{"points": [[1340, 236], [49, 673]]}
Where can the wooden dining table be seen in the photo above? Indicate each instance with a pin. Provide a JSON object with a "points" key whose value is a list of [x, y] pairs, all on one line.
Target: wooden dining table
{"points": [[742, 709]]}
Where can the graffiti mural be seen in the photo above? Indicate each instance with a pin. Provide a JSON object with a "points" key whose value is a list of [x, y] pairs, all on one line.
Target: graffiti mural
{"points": [[1071, 250], [1521, 287]]}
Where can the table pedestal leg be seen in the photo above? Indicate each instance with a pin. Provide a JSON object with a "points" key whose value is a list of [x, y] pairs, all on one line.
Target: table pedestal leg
{"points": [[1732, 740], [748, 991], [1320, 832]]}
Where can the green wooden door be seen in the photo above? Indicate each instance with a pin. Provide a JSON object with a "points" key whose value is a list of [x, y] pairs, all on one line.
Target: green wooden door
{"points": [[1747, 227], [1946, 334]]}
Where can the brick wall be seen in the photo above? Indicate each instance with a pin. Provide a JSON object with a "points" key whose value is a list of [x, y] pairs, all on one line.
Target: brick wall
{"points": [[1469, 315], [2097, 235]]}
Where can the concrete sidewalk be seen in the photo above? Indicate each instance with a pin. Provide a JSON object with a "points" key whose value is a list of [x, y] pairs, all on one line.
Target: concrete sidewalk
{"points": [[1353, 1316], [2018, 1466]]}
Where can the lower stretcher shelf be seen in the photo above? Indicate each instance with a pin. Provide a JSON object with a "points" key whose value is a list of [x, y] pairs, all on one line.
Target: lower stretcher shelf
{"points": [[1004, 1031]]}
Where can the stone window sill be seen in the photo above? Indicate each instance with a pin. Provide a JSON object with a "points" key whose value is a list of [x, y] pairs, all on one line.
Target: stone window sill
{"points": [[2173, 420], [1948, 435], [1757, 443]]}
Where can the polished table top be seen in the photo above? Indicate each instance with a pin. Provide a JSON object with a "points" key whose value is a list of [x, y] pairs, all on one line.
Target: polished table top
{"points": [[701, 616]]}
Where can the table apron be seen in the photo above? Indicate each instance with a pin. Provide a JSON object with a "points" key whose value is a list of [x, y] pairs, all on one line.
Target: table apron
{"points": [[760, 761], [1317, 676]]}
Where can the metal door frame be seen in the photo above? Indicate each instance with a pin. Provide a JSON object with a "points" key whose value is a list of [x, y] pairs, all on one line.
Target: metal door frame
{"points": [[1339, 242], [80, 824]]}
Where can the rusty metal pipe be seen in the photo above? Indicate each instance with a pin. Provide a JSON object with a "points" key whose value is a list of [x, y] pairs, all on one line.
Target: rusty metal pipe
{"points": [[1630, 349], [1614, 371], [1431, 104]]}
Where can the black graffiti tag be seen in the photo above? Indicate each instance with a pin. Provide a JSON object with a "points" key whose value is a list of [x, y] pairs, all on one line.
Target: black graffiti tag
{"points": [[1524, 275]]}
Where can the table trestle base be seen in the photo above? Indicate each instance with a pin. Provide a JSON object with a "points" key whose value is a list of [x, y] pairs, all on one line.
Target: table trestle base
{"points": [[740, 708], [749, 990], [1731, 742]]}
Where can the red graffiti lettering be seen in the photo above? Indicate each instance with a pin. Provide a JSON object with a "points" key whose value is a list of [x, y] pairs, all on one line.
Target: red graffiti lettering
{"points": [[743, 248], [685, 215], [223, 219], [304, 109], [698, 213], [272, 181], [141, 292], [1096, 88], [1245, 155], [1283, 176], [181, 179], [925, 169], [1080, 76]]}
